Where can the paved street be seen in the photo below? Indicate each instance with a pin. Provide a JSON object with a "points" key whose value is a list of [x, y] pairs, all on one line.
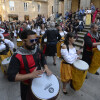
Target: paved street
{"points": [[89, 91]]}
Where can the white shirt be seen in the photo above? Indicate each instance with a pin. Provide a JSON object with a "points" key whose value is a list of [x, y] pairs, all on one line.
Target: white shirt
{"points": [[44, 20], [38, 31], [69, 56], [34, 30], [1, 36], [3, 46], [89, 11], [63, 33], [42, 33]]}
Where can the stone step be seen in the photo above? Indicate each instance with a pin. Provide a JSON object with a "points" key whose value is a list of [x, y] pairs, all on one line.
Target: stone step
{"points": [[82, 33], [78, 44], [80, 40], [81, 36], [86, 30], [87, 27]]}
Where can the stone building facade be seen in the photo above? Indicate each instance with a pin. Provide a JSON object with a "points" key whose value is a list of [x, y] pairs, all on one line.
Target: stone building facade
{"points": [[74, 5], [23, 9], [29, 9]]}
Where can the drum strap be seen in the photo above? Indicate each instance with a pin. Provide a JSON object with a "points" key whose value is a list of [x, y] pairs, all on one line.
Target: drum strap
{"points": [[25, 64]]}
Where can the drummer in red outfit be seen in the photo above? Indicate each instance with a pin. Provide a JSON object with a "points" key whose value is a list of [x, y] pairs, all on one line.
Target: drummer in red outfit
{"points": [[91, 40], [26, 64]]}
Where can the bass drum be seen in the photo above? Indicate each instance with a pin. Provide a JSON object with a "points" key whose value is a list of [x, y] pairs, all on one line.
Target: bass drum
{"points": [[45, 87]]}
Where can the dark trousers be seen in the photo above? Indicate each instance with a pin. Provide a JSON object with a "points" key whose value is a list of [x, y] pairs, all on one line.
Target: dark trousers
{"points": [[26, 93]]}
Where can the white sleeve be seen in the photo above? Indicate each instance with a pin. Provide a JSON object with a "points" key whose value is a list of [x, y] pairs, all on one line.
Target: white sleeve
{"points": [[67, 57], [2, 31], [65, 32], [2, 47], [10, 43], [1, 36], [15, 33]]}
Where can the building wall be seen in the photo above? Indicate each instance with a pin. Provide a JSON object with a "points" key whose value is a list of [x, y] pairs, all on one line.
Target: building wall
{"points": [[96, 3], [50, 5], [85, 3], [32, 10], [61, 7]]}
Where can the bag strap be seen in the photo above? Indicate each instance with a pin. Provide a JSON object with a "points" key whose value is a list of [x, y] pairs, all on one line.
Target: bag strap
{"points": [[25, 63]]}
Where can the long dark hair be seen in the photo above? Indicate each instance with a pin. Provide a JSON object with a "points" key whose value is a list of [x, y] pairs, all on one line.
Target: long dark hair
{"points": [[66, 41]]}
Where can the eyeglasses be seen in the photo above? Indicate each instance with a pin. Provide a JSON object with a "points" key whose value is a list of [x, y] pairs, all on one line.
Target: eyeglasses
{"points": [[33, 40]]}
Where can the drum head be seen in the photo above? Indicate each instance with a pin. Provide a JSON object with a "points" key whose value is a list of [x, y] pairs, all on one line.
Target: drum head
{"points": [[98, 47], [45, 87], [45, 40], [19, 40], [81, 65], [6, 61]]}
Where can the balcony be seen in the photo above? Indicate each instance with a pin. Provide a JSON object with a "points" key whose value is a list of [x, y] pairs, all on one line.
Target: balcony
{"points": [[41, 0]]}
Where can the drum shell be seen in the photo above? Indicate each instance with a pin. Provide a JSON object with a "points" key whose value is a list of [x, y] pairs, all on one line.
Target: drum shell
{"points": [[2, 57], [5, 67], [78, 78], [95, 63], [19, 43], [35, 98]]}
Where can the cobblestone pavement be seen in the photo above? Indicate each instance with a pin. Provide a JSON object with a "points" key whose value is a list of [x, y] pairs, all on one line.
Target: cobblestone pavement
{"points": [[89, 91]]}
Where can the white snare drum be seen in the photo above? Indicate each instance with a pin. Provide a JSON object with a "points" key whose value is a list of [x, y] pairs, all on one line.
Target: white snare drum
{"points": [[18, 40], [81, 65], [98, 47], [45, 87], [5, 63]]}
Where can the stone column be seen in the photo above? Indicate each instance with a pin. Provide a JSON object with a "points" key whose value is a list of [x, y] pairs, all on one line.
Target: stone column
{"points": [[85, 3], [65, 6], [61, 7], [56, 6]]}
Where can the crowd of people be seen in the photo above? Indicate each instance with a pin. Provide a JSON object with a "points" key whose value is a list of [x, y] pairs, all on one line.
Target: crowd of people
{"points": [[40, 38]]}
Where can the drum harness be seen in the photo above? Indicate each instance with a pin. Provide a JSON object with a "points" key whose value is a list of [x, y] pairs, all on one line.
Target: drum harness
{"points": [[39, 67]]}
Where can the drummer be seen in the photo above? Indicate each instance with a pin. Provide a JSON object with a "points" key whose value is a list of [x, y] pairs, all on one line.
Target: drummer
{"points": [[69, 56], [5, 44], [26, 63], [91, 40]]}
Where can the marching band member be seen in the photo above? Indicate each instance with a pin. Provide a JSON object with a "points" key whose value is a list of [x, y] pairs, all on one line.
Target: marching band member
{"points": [[69, 56], [5, 44], [26, 64], [91, 40]]}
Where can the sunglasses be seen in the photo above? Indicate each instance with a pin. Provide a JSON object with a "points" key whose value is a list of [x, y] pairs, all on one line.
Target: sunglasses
{"points": [[33, 40]]}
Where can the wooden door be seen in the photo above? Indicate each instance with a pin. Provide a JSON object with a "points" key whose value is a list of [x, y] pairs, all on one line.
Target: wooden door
{"points": [[96, 3], [75, 5]]}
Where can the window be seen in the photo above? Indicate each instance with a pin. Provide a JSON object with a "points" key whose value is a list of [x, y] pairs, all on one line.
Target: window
{"points": [[11, 5], [38, 7], [25, 6]]}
